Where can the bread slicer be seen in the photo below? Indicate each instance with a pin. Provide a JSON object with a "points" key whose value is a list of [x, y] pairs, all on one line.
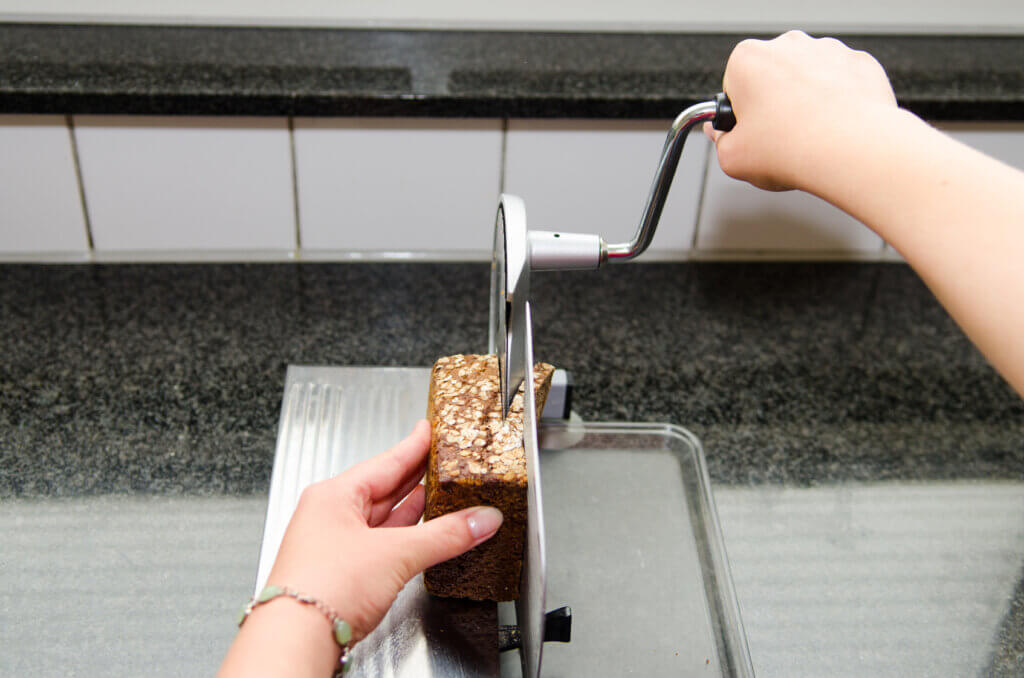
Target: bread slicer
{"points": [[516, 253], [334, 417]]}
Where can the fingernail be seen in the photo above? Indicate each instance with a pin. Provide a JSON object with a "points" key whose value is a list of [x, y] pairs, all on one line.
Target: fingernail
{"points": [[484, 521]]}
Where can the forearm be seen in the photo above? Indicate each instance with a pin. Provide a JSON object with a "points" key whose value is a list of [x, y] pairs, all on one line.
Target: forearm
{"points": [[955, 215]]}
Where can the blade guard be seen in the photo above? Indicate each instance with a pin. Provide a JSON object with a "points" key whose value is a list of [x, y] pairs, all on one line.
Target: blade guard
{"points": [[530, 614]]}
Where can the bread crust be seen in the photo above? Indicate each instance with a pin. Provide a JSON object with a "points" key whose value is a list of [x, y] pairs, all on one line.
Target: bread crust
{"points": [[476, 458]]}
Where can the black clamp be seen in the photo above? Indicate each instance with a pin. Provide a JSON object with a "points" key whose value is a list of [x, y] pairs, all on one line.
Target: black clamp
{"points": [[557, 628]]}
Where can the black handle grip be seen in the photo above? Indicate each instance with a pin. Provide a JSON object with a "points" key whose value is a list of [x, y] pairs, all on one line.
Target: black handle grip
{"points": [[724, 119]]}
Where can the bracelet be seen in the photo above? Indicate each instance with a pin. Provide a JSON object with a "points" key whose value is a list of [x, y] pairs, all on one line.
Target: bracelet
{"points": [[342, 631]]}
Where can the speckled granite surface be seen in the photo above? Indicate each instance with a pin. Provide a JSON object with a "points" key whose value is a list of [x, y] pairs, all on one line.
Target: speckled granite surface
{"points": [[240, 71], [168, 378]]}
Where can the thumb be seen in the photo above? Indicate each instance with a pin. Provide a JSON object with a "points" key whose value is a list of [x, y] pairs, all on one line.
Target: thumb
{"points": [[447, 536]]}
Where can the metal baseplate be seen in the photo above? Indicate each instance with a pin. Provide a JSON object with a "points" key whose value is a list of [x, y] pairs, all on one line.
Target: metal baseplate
{"points": [[632, 539]]}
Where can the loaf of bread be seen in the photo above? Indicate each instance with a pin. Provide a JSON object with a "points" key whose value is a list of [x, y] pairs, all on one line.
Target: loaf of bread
{"points": [[476, 458]]}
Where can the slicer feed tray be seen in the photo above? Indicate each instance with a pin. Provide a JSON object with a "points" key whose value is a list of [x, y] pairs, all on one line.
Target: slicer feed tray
{"points": [[635, 549]]}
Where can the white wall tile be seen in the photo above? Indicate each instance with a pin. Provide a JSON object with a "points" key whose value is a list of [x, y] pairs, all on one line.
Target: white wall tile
{"points": [[1003, 141], [397, 185], [187, 184], [738, 217], [594, 176], [40, 205]]}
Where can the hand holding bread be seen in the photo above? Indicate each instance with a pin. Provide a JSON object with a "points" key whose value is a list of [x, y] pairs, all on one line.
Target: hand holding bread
{"points": [[352, 542]]}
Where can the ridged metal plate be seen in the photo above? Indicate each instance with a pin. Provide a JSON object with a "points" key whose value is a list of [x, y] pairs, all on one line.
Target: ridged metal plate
{"points": [[331, 419]]}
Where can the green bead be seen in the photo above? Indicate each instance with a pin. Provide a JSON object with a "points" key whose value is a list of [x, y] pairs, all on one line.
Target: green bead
{"points": [[269, 593], [342, 632], [242, 613]]}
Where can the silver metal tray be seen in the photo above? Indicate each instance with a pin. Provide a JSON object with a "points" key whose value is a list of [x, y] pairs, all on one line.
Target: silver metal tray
{"points": [[633, 542], [634, 547]]}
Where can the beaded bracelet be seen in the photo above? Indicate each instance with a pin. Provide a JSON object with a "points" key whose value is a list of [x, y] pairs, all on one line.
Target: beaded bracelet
{"points": [[342, 631]]}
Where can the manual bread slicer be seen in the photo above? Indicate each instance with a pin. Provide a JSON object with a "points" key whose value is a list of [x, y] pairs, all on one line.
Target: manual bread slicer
{"points": [[631, 535]]}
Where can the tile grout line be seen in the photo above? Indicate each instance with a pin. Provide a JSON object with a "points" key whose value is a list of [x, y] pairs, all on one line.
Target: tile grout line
{"points": [[504, 155], [700, 196], [76, 161], [295, 186]]}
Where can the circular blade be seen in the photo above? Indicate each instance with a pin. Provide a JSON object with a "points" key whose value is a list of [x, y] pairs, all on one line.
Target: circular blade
{"points": [[510, 290], [497, 330]]}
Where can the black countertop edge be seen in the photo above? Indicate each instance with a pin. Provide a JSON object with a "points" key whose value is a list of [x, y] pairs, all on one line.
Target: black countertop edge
{"points": [[427, 107], [182, 70]]}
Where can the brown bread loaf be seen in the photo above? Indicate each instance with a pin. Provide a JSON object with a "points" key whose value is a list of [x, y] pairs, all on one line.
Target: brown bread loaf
{"points": [[478, 459]]}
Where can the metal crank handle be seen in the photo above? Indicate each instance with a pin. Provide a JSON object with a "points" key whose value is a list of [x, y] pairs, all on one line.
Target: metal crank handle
{"points": [[550, 251], [719, 112]]}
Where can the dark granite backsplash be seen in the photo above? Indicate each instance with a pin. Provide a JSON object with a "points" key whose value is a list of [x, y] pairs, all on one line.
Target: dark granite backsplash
{"points": [[168, 378], [330, 72]]}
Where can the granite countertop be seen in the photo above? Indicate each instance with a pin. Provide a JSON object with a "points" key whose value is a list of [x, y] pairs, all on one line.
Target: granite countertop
{"points": [[139, 407], [168, 378], [333, 72]]}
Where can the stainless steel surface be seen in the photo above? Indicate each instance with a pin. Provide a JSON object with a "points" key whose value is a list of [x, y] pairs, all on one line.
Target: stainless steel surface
{"points": [[662, 182], [634, 545], [427, 636], [633, 540], [882, 579], [530, 605], [510, 290], [122, 585], [333, 418]]}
